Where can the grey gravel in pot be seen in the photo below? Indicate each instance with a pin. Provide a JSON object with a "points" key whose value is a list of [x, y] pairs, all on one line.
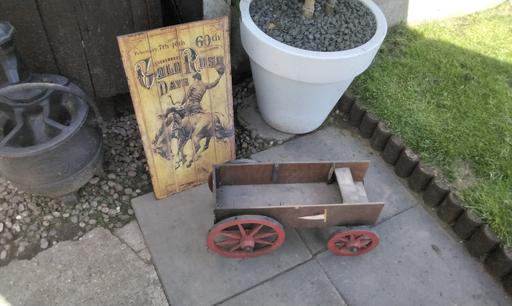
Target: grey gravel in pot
{"points": [[351, 24]]}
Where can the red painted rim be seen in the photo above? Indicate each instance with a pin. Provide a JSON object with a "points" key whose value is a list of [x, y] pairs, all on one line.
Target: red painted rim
{"points": [[245, 236], [353, 242]]}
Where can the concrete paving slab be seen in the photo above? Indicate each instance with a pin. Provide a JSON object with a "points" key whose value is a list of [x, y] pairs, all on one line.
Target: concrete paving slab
{"points": [[417, 263], [131, 235], [249, 117], [333, 143], [145, 255], [97, 270], [175, 231], [305, 285]]}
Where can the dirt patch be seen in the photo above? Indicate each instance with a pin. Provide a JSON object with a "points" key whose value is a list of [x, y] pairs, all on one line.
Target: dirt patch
{"points": [[464, 176]]}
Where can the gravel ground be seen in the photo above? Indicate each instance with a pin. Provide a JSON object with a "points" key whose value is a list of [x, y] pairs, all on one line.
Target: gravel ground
{"points": [[247, 143], [30, 224], [351, 25]]}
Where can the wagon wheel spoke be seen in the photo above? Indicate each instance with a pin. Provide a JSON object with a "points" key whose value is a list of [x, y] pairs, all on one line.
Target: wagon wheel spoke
{"points": [[227, 242], [265, 235], [255, 230], [242, 230], [231, 234], [236, 247], [264, 242], [365, 241]]}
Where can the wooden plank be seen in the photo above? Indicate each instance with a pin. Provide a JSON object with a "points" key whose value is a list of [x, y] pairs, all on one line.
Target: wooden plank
{"points": [[245, 196], [100, 22], [140, 15], [190, 10], [336, 214], [59, 18], [362, 196], [297, 172], [245, 174], [180, 83], [154, 13], [31, 40], [350, 191], [303, 172]]}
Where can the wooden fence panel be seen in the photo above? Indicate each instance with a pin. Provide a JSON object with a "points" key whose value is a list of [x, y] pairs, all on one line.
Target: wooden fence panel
{"points": [[77, 38], [30, 34], [66, 41], [100, 22]]}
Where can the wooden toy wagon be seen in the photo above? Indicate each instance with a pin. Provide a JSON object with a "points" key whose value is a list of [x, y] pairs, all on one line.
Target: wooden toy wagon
{"points": [[255, 200]]}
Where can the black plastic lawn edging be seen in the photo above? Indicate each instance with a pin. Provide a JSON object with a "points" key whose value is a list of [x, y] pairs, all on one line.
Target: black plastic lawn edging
{"points": [[479, 239]]}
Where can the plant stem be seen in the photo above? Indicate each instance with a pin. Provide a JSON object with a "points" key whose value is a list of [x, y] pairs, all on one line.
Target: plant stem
{"points": [[329, 6], [309, 8]]}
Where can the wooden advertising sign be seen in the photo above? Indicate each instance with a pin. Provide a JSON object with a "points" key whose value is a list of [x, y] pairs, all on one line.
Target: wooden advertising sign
{"points": [[180, 83]]}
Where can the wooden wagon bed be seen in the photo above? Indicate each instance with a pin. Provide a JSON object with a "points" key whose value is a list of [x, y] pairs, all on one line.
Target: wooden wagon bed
{"points": [[313, 194]]}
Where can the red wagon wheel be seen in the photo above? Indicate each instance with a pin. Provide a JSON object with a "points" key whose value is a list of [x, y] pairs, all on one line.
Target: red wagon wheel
{"points": [[353, 242], [246, 236]]}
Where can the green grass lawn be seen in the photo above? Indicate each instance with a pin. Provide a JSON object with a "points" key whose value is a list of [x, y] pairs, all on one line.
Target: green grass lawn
{"points": [[446, 89]]}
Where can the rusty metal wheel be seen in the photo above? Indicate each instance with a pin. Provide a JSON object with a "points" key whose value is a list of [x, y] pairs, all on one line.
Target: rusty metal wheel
{"points": [[353, 242], [245, 236]]}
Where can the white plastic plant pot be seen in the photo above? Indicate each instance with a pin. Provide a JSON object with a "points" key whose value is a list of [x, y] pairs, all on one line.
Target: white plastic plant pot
{"points": [[296, 89]]}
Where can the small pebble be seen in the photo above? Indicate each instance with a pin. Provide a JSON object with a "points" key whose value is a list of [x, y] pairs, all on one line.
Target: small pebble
{"points": [[44, 243], [351, 25]]}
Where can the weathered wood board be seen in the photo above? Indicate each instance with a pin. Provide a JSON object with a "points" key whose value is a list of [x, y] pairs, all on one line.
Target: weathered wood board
{"points": [[180, 83], [334, 214], [77, 38]]}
